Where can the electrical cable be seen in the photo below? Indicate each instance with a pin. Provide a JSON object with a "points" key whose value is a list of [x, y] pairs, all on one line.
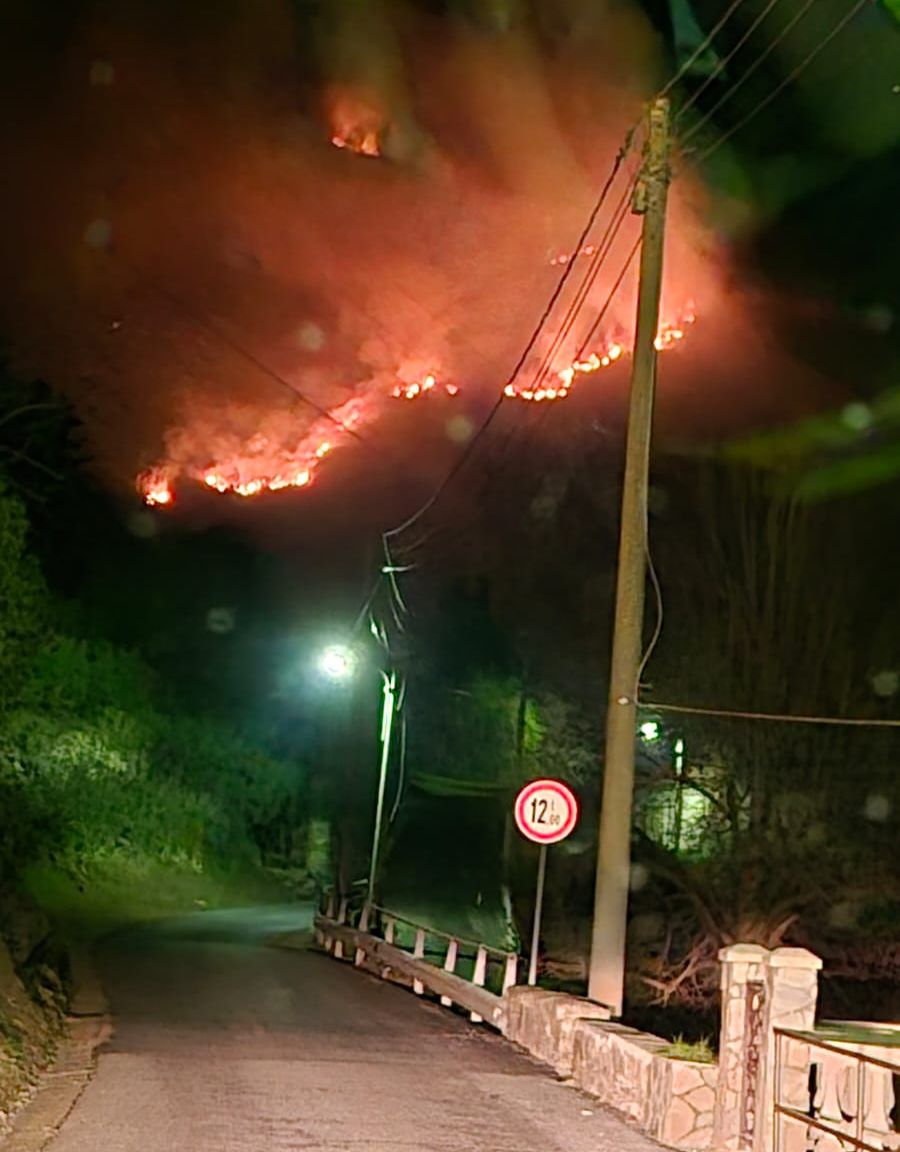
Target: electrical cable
{"points": [[792, 75], [413, 548], [401, 771], [739, 83], [389, 570], [780, 717], [367, 603], [702, 47], [587, 283], [629, 260], [657, 631], [726, 60], [542, 320], [603, 249], [210, 326]]}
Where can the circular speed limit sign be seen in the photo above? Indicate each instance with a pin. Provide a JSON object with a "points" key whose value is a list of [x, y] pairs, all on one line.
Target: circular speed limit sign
{"points": [[546, 811]]}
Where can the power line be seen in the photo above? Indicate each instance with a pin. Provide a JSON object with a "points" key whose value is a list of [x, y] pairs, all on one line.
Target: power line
{"points": [[739, 83], [597, 257], [588, 281], [726, 60], [701, 48], [780, 717], [792, 75], [629, 260], [589, 278], [526, 352], [210, 326]]}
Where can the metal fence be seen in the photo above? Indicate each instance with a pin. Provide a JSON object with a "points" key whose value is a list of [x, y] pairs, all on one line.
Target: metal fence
{"points": [[460, 971], [834, 1093]]}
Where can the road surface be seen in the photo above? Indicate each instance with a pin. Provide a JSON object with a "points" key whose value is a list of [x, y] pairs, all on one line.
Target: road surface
{"points": [[222, 1044]]}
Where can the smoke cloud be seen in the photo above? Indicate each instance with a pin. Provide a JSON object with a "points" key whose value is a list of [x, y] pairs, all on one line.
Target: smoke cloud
{"points": [[196, 204]]}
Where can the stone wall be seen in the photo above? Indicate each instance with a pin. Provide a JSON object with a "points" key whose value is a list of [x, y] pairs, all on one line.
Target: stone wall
{"points": [[544, 1023], [727, 1106], [671, 1100]]}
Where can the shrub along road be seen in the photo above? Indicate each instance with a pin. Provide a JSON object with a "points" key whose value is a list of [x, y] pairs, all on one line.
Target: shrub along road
{"points": [[222, 1044]]}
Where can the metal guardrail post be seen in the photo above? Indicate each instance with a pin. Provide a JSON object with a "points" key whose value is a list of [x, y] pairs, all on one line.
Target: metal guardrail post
{"points": [[419, 954], [478, 976], [450, 965], [327, 941], [363, 927], [341, 919], [389, 926], [510, 971]]}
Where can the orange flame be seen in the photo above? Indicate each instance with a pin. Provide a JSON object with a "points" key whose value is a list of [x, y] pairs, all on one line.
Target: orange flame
{"points": [[669, 334], [154, 486], [364, 142], [355, 124], [248, 478], [418, 388]]}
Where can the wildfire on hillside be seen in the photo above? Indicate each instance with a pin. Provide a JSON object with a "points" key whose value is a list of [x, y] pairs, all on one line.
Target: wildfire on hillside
{"points": [[557, 385], [418, 388], [355, 126], [261, 469]]}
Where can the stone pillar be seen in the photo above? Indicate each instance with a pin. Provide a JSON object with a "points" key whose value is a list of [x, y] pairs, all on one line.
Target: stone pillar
{"points": [[744, 991], [792, 988]]}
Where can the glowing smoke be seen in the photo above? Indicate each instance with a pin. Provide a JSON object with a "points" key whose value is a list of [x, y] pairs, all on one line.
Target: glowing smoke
{"points": [[179, 173]]}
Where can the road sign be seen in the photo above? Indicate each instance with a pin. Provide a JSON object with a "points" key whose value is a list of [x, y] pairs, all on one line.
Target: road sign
{"points": [[546, 811]]}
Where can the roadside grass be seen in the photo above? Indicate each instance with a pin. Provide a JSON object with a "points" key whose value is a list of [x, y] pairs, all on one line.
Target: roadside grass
{"points": [[700, 1051], [126, 890]]}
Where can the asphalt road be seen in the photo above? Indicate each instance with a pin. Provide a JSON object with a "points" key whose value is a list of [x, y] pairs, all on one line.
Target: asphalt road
{"points": [[223, 1044]]}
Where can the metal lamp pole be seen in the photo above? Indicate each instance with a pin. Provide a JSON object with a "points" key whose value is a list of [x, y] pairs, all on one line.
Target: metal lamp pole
{"points": [[387, 724]]}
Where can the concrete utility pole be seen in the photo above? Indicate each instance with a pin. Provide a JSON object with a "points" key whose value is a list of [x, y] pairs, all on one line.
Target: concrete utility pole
{"points": [[607, 970]]}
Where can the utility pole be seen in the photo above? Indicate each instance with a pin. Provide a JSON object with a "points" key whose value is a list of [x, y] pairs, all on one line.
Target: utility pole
{"points": [[607, 969]]}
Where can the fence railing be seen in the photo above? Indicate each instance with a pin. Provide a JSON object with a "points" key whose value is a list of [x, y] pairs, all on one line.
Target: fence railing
{"points": [[459, 970], [834, 1093]]}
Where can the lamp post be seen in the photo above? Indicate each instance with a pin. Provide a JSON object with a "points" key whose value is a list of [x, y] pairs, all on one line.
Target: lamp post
{"points": [[387, 725], [339, 663]]}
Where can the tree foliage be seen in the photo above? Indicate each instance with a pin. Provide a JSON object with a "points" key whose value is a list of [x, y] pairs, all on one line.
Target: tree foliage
{"points": [[96, 759], [772, 606]]}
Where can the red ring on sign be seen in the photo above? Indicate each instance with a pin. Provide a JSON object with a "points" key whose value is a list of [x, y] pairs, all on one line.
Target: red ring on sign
{"points": [[570, 802]]}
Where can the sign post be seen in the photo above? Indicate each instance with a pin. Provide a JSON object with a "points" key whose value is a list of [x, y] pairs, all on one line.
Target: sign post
{"points": [[546, 812]]}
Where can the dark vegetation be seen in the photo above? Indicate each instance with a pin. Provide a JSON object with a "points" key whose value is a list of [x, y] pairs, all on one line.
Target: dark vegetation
{"points": [[750, 830]]}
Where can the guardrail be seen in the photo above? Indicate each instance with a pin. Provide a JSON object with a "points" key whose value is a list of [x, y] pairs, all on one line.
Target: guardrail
{"points": [[832, 1092], [432, 965]]}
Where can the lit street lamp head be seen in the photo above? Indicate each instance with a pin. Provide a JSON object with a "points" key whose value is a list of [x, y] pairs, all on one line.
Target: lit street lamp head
{"points": [[337, 662]]}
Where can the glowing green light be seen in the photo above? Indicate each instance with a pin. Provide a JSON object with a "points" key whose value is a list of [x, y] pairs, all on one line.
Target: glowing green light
{"points": [[649, 730]]}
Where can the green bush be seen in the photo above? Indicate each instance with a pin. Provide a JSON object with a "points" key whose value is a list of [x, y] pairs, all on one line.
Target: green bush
{"points": [[95, 765]]}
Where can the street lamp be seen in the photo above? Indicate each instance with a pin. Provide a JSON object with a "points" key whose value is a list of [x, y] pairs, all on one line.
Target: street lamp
{"points": [[339, 663]]}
